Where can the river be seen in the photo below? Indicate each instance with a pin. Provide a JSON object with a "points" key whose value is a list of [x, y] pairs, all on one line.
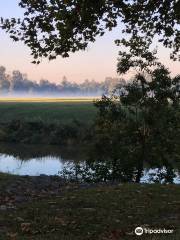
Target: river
{"points": [[35, 160]]}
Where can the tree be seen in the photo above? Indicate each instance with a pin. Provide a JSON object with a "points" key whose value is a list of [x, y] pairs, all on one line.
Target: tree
{"points": [[58, 27], [138, 126], [4, 80]]}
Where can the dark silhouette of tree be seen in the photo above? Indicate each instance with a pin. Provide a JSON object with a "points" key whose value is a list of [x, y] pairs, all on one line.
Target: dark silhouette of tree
{"points": [[137, 128], [4, 80], [57, 27]]}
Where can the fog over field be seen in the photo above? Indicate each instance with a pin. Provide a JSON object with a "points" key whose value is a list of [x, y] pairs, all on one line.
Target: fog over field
{"points": [[17, 84]]}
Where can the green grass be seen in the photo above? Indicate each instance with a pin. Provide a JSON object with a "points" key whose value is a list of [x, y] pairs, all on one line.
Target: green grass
{"points": [[56, 121], [98, 213], [65, 112]]}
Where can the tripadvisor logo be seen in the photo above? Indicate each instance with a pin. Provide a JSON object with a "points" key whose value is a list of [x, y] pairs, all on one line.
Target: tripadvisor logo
{"points": [[139, 231]]}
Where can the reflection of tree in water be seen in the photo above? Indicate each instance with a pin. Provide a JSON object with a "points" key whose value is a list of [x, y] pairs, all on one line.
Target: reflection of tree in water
{"points": [[20, 163], [24, 152], [15, 165]]}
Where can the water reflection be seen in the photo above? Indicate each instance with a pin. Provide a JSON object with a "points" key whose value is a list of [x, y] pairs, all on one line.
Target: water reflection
{"points": [[28, 152], [33, 167], [36, 160]]}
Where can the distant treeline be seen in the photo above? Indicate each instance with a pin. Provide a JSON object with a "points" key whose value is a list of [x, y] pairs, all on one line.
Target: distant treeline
{"points": [[16, 83]]}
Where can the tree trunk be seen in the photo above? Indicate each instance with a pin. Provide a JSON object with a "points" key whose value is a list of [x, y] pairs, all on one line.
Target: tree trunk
{"points": [[140, 166], [139, 173]]}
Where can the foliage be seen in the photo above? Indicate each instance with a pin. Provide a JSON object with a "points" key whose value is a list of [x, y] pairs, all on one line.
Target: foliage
{"points": [[58, 27], [138, 127], [40, 132]]}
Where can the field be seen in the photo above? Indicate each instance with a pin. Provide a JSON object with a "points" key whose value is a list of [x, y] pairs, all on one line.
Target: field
{"points": [[64, 110]]}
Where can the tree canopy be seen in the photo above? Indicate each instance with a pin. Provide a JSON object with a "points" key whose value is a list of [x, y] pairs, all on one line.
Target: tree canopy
{"points": [[139, 127], [57, 27]]}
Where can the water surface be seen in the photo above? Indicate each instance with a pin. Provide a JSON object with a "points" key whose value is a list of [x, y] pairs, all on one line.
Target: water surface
{"points": [[35, 160]]}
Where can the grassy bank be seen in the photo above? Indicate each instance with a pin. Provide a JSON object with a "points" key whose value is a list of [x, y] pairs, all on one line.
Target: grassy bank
{"points": [[48, 110], [41, 132], [92, 213], [45, 120]]}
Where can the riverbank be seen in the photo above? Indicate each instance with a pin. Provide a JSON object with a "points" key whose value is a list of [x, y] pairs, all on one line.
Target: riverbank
{"points": [[41, 132], [48, 208]]}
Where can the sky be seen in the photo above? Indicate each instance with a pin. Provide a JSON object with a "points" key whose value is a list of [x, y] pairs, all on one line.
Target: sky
{"points": [[97, 62]]}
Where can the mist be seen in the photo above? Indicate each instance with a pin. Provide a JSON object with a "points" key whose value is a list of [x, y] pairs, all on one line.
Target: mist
{"points": [[17, 84]]}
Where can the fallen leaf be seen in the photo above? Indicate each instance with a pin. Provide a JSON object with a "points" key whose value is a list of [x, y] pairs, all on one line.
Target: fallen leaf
{"points": [[25, 227]]}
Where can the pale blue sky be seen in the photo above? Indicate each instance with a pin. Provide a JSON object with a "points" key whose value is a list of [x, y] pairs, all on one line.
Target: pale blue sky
{"points": [[97, 62]]}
